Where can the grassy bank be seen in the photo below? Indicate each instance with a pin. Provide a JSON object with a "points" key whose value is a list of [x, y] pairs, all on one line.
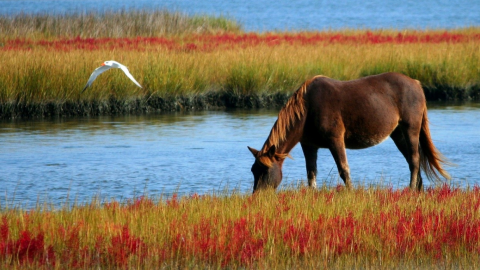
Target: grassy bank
{"points": [[44, 81], [43, 74], [372, 228]]}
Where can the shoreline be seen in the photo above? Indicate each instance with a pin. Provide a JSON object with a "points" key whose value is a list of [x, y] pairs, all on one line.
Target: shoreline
{"points": [[198, 102], [141, 105]]}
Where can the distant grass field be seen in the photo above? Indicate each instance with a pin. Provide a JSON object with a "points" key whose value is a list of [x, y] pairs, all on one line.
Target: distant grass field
{"points": [[112, 24], [208, 62], [374, 228]]}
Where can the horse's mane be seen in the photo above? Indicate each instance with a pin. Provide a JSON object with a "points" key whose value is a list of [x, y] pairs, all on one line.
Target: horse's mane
{"points": [[293, 111]]}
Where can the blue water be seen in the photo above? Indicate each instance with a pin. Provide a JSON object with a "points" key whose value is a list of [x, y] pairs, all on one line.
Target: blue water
{"points": [[69, 159], [269, 15]]}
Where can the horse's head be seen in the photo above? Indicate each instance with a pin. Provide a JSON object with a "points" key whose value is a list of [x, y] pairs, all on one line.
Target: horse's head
{"points": [[267, 169]]}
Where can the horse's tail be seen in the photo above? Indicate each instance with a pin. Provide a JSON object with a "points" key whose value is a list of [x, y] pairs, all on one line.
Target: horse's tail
{"points": [[431, 159]]}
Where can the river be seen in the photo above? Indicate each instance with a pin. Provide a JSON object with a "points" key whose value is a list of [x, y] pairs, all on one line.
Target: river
{"points": [[75, 159]]}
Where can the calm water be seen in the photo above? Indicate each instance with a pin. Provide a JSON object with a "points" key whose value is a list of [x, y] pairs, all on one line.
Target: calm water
{"points": [[268, 15], [124, 157]]}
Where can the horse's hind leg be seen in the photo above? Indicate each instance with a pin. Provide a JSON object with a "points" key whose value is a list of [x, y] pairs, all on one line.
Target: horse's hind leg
{"points": [[401, 143], [337, 148], [310, 153]]}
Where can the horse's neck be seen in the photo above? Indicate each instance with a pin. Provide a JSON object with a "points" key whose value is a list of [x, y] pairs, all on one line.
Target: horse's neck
{"points": [[287, 130], [292, 138], [285, 145]]}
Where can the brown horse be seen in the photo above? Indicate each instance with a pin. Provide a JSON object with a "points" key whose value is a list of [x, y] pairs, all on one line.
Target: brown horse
{"points": [[326, 113]]}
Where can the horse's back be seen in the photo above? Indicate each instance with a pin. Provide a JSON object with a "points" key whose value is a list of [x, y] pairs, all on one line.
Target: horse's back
{"points": [[386, 84], [370, 93]]}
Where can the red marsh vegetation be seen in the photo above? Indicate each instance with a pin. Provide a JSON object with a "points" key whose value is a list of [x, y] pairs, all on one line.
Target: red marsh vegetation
{"points": [[330, 227], [210, 42]]}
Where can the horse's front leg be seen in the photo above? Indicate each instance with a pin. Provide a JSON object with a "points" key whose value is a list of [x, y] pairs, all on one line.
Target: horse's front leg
{"points": [[310, 153], [337, 148]]}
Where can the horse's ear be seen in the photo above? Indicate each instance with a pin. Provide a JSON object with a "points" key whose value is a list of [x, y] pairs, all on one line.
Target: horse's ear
{"points": [[271, 151], [254, 151]]}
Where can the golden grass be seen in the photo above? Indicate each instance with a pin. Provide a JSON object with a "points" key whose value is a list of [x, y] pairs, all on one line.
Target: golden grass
{"points": [[41, 75]]}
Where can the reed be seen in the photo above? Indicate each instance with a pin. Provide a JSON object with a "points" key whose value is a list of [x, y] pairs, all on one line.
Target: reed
{"points": [[369, 227], [113, 24]]}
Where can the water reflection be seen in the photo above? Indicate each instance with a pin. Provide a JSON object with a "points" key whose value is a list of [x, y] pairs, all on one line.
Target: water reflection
{"points": [[199, 152]]}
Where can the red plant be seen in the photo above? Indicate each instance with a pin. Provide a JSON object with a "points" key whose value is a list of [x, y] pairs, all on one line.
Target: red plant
{"points": [[124, 245], [210, 42], [27, 249], [4, 231], [140, 203], [231, 243], [72, 253], [173, 201], [240, 244], [299, 239], [443, 193]]}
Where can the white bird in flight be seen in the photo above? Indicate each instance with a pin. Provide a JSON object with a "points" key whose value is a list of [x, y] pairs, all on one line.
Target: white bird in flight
{"points": [[106, 66]]}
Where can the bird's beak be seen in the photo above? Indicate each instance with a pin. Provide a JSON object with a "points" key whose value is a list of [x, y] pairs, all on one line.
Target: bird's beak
{"points": [[103, 64]]}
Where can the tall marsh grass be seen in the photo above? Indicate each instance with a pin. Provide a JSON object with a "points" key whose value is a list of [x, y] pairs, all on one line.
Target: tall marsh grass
{"points": [[113, 24], [373, 228], [47, 76]]}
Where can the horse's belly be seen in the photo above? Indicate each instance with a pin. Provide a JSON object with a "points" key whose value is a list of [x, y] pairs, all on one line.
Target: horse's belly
{"points": [[369, 131], [360, 142]]}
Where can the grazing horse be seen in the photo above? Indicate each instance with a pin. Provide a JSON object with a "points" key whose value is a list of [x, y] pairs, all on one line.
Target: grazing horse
{"points": [[327, 113]]}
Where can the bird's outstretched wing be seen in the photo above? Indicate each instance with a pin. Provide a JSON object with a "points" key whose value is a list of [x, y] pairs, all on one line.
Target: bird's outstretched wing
{"points": [[95, 73], [125, 70]]}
